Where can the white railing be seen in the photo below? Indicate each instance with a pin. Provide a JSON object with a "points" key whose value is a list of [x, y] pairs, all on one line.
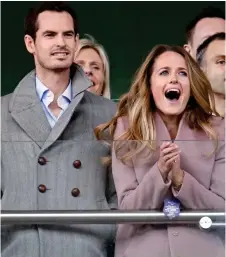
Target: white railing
{"points": [[205, 219]]}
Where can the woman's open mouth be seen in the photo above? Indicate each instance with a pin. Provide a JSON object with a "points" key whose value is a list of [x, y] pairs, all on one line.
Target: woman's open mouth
{"points": [[173, 94]]}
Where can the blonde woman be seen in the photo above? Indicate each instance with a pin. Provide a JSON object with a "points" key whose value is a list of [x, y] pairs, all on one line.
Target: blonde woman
{"points": [[169, 155], [92, 57]]}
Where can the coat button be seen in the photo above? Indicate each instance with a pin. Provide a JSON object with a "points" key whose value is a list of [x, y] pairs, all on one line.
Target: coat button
{"points": [[77, 164], [42, 188], [42, 160], [75, 192]]}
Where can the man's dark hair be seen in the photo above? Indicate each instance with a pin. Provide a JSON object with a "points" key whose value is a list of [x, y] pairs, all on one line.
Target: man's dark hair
{"points": [[209, 12], [31, 20], [202, 48]]}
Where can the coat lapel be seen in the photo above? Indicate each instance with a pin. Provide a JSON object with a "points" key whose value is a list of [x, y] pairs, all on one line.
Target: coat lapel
{"points": [[26, 110], [184, 132], [162, 133]]}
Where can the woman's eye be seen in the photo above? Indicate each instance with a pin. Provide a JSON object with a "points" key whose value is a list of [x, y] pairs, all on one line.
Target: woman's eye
{"points": [[164, 72], [183, 73]]}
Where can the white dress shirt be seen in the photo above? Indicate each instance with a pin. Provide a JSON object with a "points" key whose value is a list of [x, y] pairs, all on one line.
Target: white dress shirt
{"points": [[46, 97]]}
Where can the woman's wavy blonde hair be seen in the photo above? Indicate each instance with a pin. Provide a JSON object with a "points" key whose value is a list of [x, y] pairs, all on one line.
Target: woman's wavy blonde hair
{"points": [[138, 105], [90, 42]]}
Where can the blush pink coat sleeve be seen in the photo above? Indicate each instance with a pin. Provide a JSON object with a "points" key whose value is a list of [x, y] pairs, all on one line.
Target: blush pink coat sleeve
{"points": [[194, 195], [147, 194]]}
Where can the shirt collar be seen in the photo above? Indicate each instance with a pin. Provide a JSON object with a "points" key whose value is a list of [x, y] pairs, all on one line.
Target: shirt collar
{"points": [[42, 90], [68, 92]]}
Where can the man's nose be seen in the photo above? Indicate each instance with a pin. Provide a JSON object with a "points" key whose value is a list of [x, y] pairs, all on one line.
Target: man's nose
{"points": [[60, 40]]}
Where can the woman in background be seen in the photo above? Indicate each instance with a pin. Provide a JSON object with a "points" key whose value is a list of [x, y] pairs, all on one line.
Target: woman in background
{"points": [[92, 57], [169, 155]]}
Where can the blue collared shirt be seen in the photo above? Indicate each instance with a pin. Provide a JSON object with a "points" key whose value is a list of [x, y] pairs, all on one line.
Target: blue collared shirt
{"points": [[46, 97]]}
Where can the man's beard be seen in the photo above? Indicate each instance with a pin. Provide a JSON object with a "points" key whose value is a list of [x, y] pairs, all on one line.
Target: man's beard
{"points": [[57, 67], [218, 85]]}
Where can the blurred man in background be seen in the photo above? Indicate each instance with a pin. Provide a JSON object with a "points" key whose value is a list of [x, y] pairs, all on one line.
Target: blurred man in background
{"points": [[208, 22], [211, 58]]}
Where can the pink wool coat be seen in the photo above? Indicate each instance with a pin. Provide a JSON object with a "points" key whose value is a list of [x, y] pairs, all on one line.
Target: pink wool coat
{"points": [[140, 186]]}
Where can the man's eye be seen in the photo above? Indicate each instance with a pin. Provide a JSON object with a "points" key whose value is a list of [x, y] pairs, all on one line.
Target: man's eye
{"points": [[69, 35], [49, 35], [221, 62]]}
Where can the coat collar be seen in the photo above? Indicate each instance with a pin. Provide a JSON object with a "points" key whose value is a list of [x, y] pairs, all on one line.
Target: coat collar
{"points": [[26, 109], [184, 133]]}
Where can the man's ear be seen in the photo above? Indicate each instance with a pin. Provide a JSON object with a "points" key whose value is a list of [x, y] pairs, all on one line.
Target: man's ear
{"points": [[29, 43], [77, 46], [187, 47], [77, 42]]}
